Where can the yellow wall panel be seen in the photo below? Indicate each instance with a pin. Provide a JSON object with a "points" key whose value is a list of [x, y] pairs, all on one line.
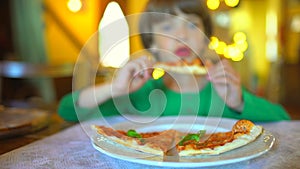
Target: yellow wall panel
{"points": [[135, 7], [250, 17], [66, 32]]}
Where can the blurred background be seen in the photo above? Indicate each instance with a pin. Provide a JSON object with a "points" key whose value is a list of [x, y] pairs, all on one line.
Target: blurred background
{"points": [[261, 37]]}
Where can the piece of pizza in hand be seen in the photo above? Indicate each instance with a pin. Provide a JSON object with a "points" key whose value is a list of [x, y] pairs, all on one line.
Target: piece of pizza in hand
{"points": [[242, 133], [196, 67], [157, 143]]}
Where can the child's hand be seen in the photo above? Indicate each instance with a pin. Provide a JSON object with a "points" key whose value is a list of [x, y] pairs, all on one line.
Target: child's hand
{"points": [[132, 76], [227, 83]]}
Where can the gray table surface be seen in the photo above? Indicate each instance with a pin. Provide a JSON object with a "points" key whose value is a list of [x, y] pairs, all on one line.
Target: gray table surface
{"points": [[72, 148]]}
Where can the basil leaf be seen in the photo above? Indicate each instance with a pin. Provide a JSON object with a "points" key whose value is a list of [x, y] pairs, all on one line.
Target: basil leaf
{"points": [[189, 137], [133, 133], [195, 137]]}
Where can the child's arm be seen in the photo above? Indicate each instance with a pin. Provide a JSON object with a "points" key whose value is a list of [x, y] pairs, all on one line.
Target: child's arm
{"points": [[227, 83], [128, 79], [260, 109]]}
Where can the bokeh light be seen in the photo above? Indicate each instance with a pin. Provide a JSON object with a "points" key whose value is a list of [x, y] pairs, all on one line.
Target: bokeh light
{"points": [[234, 51], [232, 3], [239, 37], [214, 43], [221, 48], [74, 5], [213, 4]]}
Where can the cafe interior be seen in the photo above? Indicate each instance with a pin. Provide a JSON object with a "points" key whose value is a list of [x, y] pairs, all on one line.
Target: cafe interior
{"points": [[41, 42]]}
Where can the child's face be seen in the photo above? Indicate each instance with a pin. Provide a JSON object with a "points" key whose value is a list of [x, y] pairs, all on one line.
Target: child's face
{"points": [[179, 37]]}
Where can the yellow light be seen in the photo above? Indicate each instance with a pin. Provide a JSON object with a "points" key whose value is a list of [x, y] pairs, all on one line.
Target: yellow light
{"points": [[74, 5], [228, 51], [213, 4], [232, 3], [239, 37], [238, 57], [242, 46], [231, 51], [221, 47], [234, 51], [157, 73], [214, 42]]}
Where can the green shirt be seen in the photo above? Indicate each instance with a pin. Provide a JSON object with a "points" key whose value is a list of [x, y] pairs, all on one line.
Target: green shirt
{"points": [[155, 99]]}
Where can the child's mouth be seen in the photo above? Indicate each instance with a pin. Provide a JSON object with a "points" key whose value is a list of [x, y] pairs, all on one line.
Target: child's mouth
{"points": [[183, 52]]}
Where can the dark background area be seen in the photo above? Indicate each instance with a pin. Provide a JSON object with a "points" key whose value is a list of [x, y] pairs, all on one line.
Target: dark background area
{"points": [[20, 89]]}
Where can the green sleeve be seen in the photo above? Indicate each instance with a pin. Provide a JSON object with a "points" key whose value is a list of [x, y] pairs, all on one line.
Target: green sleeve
{"points": [[260, 109], [69, 111]]}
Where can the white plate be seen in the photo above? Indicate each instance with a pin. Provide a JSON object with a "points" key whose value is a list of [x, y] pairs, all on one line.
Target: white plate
{"points": [[260, 146]]}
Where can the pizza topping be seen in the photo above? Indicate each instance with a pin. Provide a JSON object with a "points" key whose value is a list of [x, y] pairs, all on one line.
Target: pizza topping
{"points": [[192, 137], [208, 141], [133, 133], [197, 61], [216, 139]]}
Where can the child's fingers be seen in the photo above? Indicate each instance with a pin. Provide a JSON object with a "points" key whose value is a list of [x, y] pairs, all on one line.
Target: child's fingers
{"points": [[142, 66], [223, 70]]}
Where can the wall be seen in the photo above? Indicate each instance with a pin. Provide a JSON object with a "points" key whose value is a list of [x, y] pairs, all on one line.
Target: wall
{"points": [[67, 32], [250, 18], [133, 9]]}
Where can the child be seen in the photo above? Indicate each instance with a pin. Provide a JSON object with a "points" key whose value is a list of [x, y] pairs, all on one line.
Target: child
{"points": [[133, 90]]}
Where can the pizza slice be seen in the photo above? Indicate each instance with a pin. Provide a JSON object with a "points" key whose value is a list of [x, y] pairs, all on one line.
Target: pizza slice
{"points": [[195, 67], [185, 144], [157, 143], [242, 133]]}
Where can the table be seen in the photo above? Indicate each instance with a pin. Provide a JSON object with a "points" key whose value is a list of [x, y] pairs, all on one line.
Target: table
{"points": [[72, 148], [55, 124]]}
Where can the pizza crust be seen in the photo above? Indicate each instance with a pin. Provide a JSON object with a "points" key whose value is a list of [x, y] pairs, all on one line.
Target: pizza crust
{"points": [[239, 141], [157, 145], [183, 69]]}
